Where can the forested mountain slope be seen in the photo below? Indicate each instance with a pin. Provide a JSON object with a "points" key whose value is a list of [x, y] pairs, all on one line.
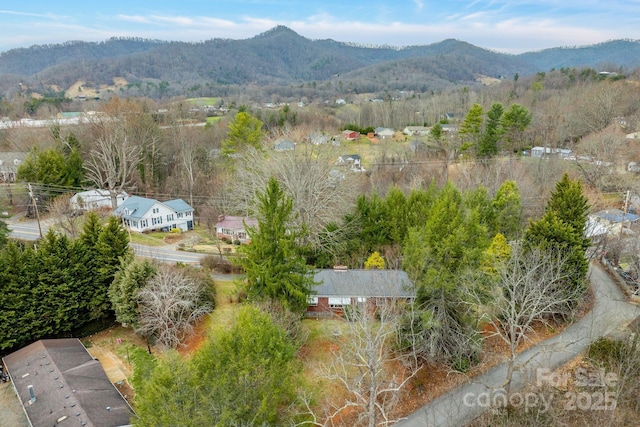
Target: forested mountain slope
{"points": [[282, 57]]}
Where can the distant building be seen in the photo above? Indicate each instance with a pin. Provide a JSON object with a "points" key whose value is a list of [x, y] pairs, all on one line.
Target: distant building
{"points": [[352, 160], [350, 135], [416, 130], [548, 152], [384, 133], [95, 199], [9, 162], [284, 145], [233, 229]]}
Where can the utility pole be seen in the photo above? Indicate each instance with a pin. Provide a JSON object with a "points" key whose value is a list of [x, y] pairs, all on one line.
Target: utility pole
{"points": [[35, 208], [624, 213], [9, 194]]}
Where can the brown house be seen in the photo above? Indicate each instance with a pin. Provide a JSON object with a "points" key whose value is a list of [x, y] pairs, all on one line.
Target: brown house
{"points": [[339, 288], [59, 383]]}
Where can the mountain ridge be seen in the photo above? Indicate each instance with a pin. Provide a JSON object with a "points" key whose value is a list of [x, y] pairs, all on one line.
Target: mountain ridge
{"points": [[282, 57]]}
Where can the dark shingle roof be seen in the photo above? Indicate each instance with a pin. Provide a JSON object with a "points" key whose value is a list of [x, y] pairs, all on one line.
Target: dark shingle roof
{"points": [[363, 283], [67, 382]]}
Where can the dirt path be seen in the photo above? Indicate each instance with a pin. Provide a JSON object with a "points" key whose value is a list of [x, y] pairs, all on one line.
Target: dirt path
{"points": [[11, 412], [114, 368]]}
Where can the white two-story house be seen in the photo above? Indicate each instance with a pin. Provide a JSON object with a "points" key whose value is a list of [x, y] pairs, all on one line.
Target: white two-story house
{"points": [[142, 214]]}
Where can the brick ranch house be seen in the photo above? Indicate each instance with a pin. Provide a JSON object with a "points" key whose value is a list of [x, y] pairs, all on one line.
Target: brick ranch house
{"points": [[232, 228], [339, 288]]}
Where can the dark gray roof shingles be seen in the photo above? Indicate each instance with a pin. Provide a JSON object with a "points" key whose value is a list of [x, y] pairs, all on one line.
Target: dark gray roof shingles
{"points": [[66, 381], [363, 283]]}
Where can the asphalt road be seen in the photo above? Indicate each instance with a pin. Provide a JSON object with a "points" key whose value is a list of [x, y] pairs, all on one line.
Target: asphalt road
{"points": [[166, 254], [611, 312], [28, 230]]}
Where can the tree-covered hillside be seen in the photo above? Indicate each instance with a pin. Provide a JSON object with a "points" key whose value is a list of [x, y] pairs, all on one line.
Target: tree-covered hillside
{"points": [[282, 57]]}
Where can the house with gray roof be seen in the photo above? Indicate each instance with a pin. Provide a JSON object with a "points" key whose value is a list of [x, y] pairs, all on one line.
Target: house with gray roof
{"points": [[340, 287], [416, 130], [142, 214], [59, 383], [284, 145], [384, 133]]}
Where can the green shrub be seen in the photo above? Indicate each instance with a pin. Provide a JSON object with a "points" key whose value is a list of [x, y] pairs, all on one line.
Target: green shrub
{"points": [[606, 351]]}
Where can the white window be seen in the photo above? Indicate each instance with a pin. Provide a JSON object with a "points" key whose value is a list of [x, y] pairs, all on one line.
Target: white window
{"points": [[339, 302], [312, 301]]}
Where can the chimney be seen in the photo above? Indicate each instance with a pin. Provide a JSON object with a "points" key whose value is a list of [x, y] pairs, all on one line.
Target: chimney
{"points": [[220, 218], [340, 268], [32, 394]]}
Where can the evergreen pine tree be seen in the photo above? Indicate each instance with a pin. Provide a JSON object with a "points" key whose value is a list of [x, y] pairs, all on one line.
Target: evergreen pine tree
{"points": [[274, 269]]}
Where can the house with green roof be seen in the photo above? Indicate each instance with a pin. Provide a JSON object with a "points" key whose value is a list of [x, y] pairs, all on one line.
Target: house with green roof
{"points": [[143, 214]]}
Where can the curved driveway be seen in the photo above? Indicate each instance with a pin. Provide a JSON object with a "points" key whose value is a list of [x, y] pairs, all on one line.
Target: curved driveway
{"points": [[611, 312]]}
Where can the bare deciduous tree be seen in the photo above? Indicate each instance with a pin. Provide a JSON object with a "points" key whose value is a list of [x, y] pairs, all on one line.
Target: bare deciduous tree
{"points": [[64, 216], [598, 155], [367, 367], [321, 194], [530, 290], [169, 306], [112, 162]]}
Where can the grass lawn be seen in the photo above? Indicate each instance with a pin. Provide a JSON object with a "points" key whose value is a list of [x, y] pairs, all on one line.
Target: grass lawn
{"points": [[152, 239], [323, 338], [226, 303], [372, 153], [213, 120], [201, 102]]}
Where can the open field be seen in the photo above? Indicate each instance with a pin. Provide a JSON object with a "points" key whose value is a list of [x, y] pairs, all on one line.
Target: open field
{"points": [[202, 102], [78, 89]]}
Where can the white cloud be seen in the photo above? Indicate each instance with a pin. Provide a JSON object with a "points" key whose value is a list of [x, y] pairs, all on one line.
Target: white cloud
{"points": [[38, 15], [495, 24], [134, 18]]}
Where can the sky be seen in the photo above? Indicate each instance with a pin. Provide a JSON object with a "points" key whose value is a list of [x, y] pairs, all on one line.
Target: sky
{"points": [[505, 26]]}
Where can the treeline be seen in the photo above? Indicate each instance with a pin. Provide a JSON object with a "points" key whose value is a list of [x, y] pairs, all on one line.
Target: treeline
{"points": [[59, 285]]}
